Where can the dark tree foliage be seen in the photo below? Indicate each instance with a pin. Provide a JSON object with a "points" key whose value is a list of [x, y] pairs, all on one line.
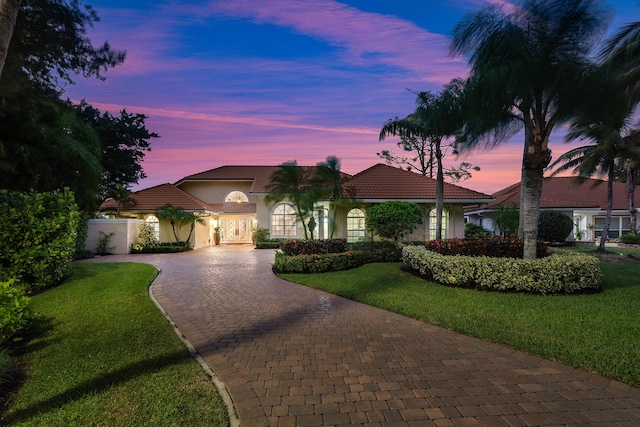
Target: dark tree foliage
{"points": [[554, 226], [123, 140]]}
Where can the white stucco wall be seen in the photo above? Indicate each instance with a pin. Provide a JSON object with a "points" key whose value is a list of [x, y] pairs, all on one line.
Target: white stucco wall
{"points": [[125, 233]]}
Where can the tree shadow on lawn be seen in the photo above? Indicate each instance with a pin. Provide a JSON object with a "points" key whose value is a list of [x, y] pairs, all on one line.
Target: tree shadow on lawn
{"points": [[98, 384]]}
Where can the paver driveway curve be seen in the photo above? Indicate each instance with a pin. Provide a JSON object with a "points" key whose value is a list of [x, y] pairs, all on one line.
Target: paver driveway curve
{"points": [[290, 355]]}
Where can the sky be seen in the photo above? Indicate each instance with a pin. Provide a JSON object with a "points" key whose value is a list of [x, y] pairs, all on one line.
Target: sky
{"points": [[261, 82]]}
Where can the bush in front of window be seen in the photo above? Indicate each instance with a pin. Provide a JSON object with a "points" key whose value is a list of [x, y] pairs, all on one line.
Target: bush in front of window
{"points": [[566, 272], [630, 239], [554, 226]]}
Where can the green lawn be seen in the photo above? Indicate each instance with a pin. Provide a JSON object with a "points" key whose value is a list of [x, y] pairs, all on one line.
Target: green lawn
{"points": [[597, 332], [108, 357]]}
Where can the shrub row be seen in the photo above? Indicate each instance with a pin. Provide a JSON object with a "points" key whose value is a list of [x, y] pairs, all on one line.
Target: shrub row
{"points": [[268, 244], [496, 247], [558, 273], [37, 237], [158, 248], [15, 313], [317, 263], [382, 251], [309, 247], [630, 239]]}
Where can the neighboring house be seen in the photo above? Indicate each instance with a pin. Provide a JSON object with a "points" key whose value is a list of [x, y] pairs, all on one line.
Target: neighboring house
{"points": [[584, 201], [233, 198]]}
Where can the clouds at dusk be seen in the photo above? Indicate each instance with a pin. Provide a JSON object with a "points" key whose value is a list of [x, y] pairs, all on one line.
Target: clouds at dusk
{"points": [[246, 82]]}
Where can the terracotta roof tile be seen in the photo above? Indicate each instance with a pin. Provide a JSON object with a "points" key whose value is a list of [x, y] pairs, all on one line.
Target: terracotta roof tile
{"points": [[566, 192], [237, 208], [154, 198], [385, 182]]}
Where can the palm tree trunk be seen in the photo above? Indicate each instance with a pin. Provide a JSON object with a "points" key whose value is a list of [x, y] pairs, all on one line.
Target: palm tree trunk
{"points": [[439, 192], [632, 174], [531, 189], [607, 218], [8, 14]]}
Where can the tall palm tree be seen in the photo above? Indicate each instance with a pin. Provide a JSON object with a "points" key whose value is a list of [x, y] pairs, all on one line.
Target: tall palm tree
{"points": [[8, 14], [527, 64], [331, 180], [292, 182], [623, 51], [435, 118]]}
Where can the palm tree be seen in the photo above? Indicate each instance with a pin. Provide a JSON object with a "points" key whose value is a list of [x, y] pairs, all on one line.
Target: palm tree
{"points": [[623, 51], [292, 182], [179, 217], [330, 179], [527, 64], [606, 123], [436, 118], [8, 14]]}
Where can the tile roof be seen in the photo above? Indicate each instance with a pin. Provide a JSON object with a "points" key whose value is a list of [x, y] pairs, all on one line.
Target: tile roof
{"points": [[565, 192], [233, 208], [154, 198], [384, 182], [259, 175]]}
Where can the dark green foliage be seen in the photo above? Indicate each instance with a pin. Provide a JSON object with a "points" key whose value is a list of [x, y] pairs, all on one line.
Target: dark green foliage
{"points": [[496, 247], [383, 251], [474, 231], [394, 219], [309, 247], [630, 239], [83, 231], [7, 368], [269, 244], [162, 248], [261, 234], [317, 263], [506, 219], [554, 226], [15, 314], [37, 237]]}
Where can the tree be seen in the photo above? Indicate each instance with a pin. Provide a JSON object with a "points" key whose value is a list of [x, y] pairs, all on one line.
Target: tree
{"points": [[506, 219], [8, 14], [179, 217], [393, 219], [331, 181], [528, 62], [622, 50], [124, 141], [294, 183], [436, 118], [606, 124]]}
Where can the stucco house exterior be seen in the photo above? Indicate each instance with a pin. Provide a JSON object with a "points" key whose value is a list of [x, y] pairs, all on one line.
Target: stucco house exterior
{"points": [[583, 200], [233, 199]]}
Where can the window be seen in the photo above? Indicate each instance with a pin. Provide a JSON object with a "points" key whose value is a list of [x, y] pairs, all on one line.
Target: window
{"points": [[152, 220], [236, 196], [355, 225], [284, 221], [619, 225], [432, 224]]}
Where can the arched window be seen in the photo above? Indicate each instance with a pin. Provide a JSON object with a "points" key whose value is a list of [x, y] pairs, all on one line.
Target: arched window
{"points": [[152, 220], [236, 196], [284, 221], [355, 225], [432, 224]]}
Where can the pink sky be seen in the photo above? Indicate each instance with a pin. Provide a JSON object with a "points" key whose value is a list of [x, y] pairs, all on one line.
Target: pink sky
{"points": [[246, 82]]}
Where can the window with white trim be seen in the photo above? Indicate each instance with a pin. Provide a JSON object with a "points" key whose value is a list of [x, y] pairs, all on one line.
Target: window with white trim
{"points": [[619, 225], [432, 223], [355, 225], [153, 221], [284, 221], [236, 196]]}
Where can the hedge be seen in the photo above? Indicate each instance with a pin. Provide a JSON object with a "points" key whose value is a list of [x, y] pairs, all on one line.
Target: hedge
{"points": [[565, 272], [15, 314], [317, 263], [37, 237], [316, 246], [496, 247]]}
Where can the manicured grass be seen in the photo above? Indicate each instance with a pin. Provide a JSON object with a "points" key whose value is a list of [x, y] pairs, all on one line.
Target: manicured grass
{"points": [[597, 332], [109, 358]]}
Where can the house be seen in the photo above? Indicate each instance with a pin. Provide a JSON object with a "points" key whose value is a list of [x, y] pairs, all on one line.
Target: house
{"points": [[233, 199], [583, 200]]}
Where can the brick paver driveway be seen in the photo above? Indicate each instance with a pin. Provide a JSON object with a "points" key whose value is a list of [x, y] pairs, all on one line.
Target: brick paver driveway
{"points": [[291, 355]]}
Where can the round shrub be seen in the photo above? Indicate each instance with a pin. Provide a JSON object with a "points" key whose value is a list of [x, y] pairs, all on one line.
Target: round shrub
{"points": [[474, 231], [554, 226]]}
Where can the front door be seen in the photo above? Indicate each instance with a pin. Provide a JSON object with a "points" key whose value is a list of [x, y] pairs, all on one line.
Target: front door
{"points": [[236, 230]]}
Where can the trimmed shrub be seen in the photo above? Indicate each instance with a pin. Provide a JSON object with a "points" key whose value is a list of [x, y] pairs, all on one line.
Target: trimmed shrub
{"points": [[394, 219], [474, 231], [317, 263], [554, 226], [37, 237], [269, 244], [159, 248], [261, 234], [15, 314], [566, 272], [310, 247], [630, 239], [382, 251], [497, 247]]}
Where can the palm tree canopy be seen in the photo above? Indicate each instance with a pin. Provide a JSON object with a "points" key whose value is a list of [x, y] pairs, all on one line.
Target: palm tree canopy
{"points": [[622, 50], [527, 61]]}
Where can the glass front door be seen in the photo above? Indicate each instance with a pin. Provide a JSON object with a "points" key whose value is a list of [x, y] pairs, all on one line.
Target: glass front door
{"points": [[236, 230]]}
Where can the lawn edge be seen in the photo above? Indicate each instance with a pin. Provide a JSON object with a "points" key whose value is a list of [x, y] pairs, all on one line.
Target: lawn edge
{"points": [[234, 421]]}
